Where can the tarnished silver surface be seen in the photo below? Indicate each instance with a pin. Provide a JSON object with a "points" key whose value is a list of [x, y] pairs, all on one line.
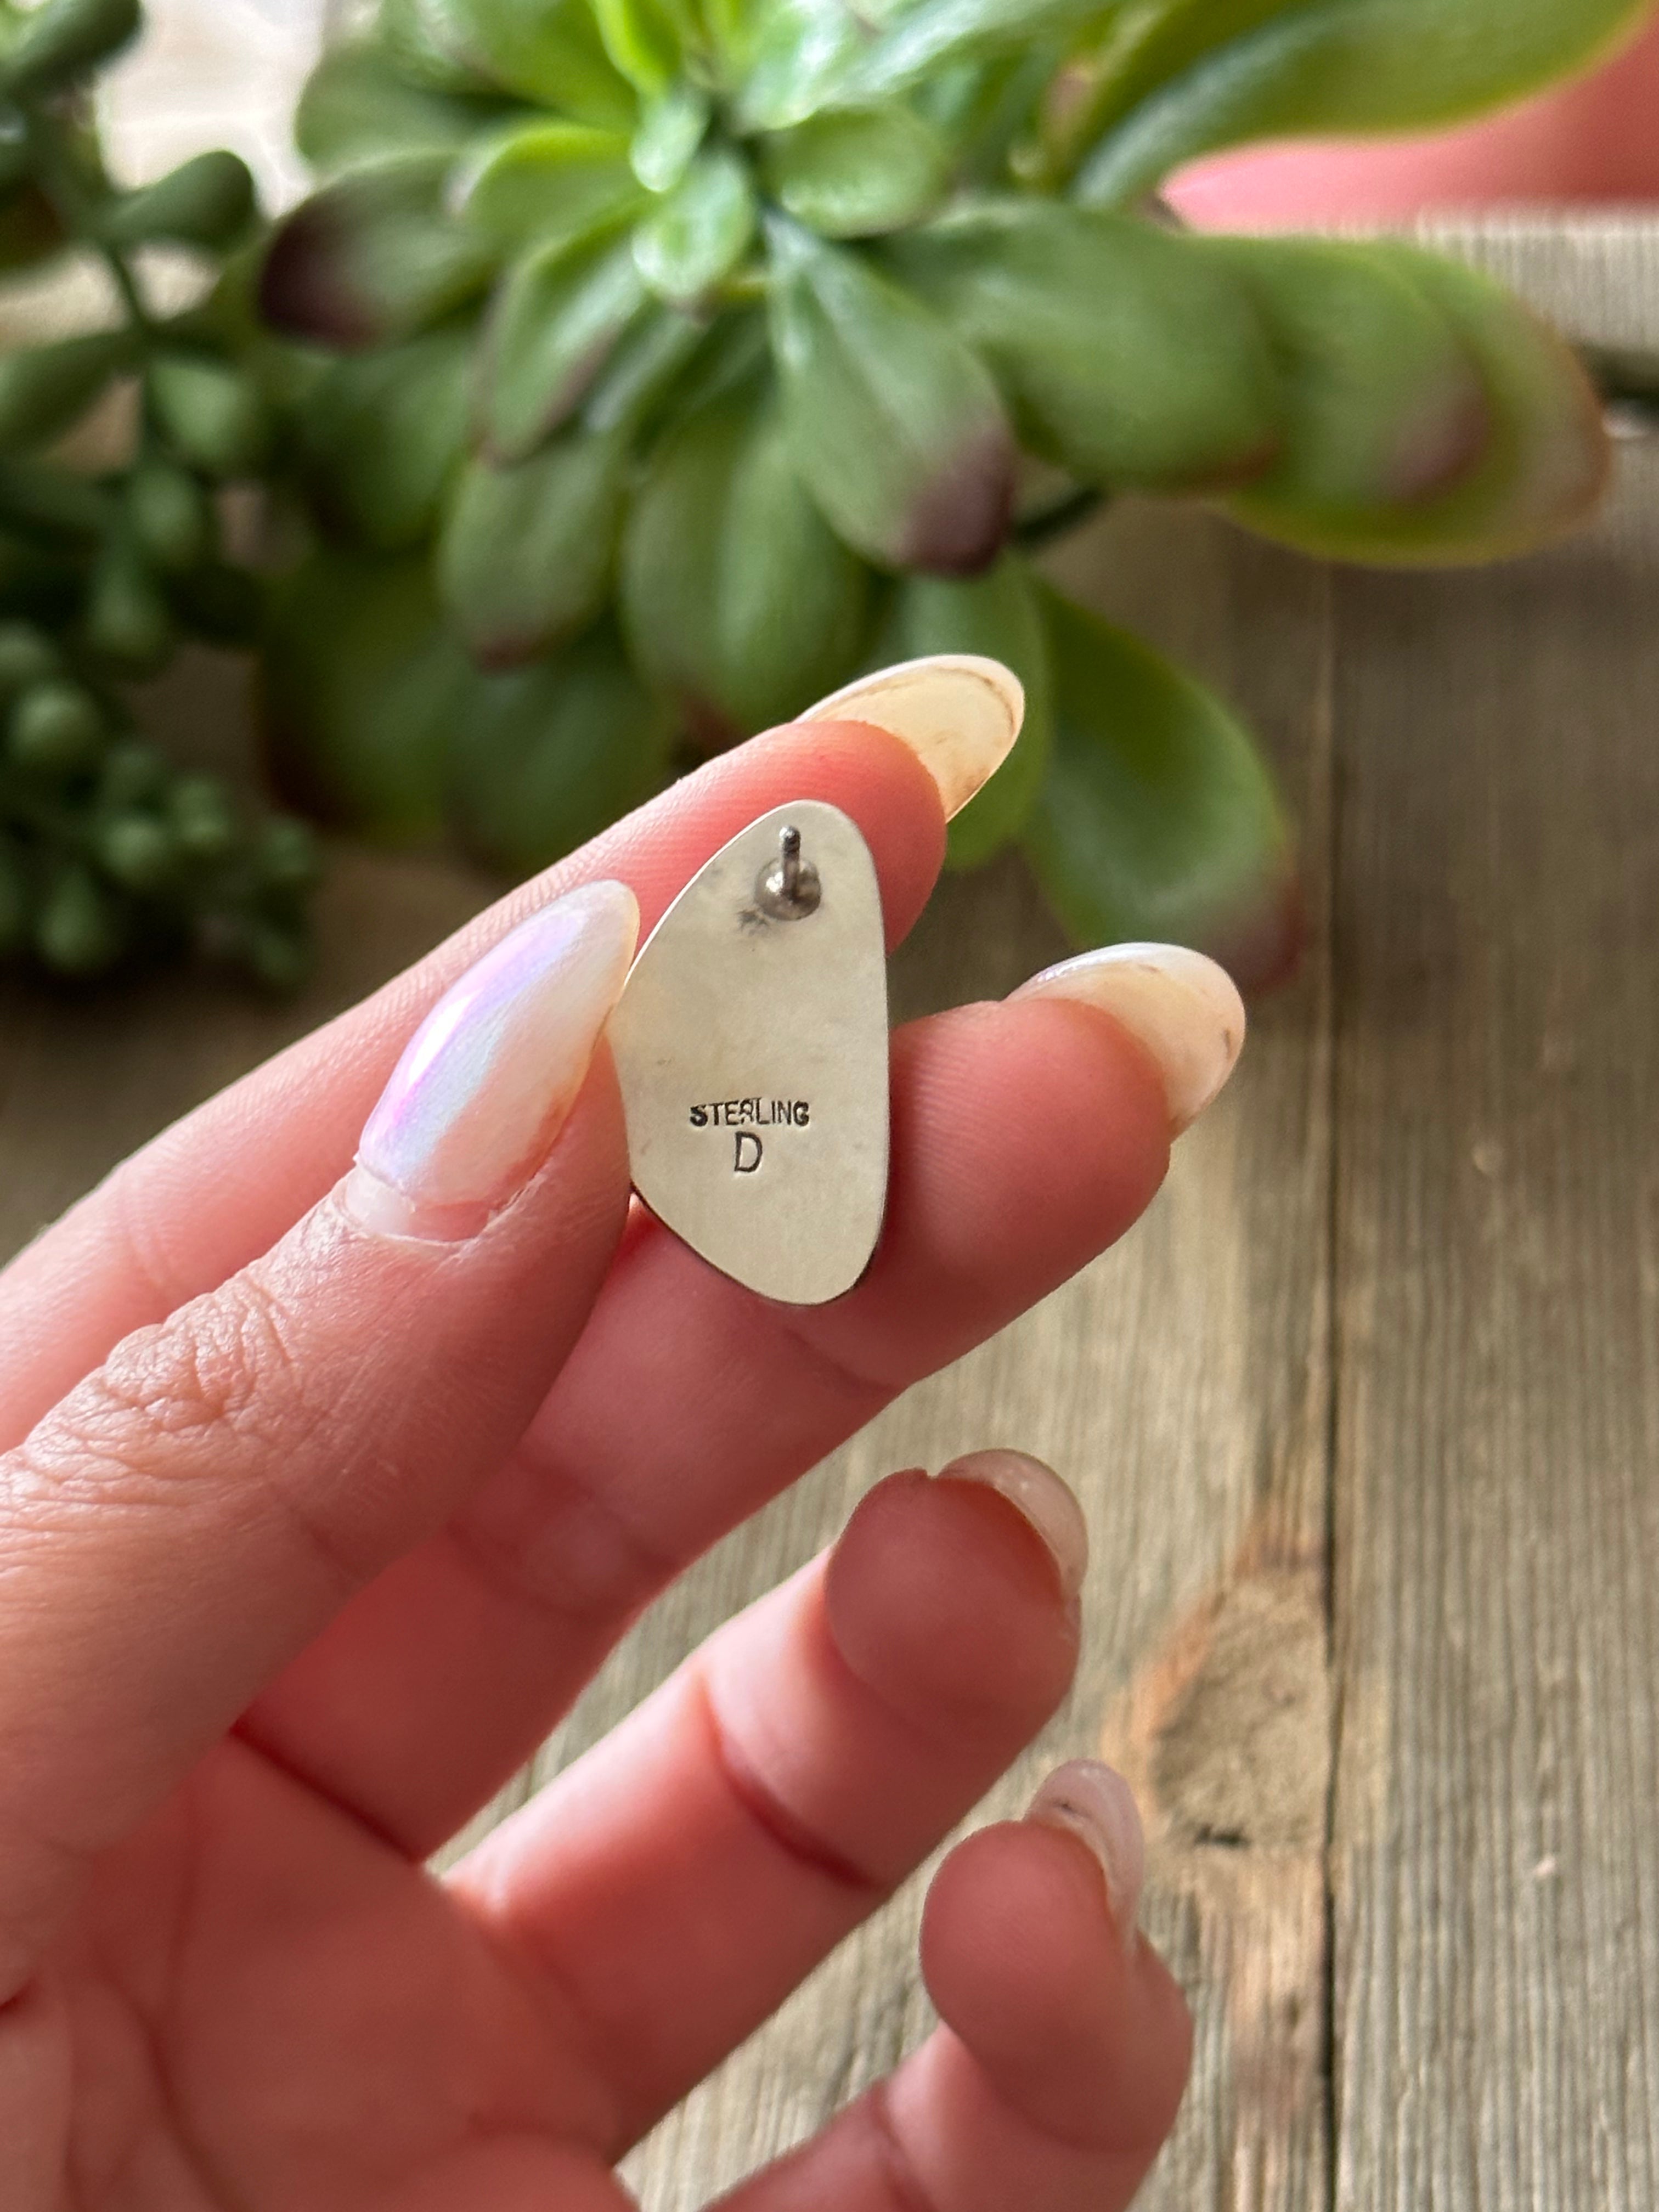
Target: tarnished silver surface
{"points": [[752, 1045]]}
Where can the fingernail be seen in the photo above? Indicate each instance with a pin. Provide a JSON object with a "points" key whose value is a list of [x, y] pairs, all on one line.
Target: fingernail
{"points": [[487, 1080], [1096, 1804], [1037, 1492], [958, 713], [1180, 1004]]}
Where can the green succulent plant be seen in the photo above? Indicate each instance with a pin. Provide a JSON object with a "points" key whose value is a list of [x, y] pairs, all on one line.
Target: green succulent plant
{"points": [[665, 362], [107, 851]]}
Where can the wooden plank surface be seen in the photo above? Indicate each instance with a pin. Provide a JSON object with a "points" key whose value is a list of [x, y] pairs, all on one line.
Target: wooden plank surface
{"points": [[1365, 1413]]}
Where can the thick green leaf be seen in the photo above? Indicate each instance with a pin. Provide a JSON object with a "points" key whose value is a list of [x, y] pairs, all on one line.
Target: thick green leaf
{"points": [[56, 41], [895, 425], [358, 107], [170, 516], [361, 684], [206, 201], [1382, 406], [857, 174], [212, 415], [700, 231], [43, 390], [548, 756], [425, 43], [669, 133], [373, 256], [642, 37], [1129, 354], [1176, 78], [555, 322], [792, 52], [920, 41], [381, 435], [998, 614], [546, 184], [740, 604], [526, 555], [1430, 417], [545, 51], [644, 373], [1158, 821]]}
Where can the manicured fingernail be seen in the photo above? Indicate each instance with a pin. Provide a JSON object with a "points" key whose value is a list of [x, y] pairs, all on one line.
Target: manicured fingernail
{"points": [[1180, 1004], [958, 713], [1037, 1492], [1096, 1805], [487, 1080]]}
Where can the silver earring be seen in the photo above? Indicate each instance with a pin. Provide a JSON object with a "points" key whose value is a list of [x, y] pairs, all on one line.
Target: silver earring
{"points": [[750, 1042]]}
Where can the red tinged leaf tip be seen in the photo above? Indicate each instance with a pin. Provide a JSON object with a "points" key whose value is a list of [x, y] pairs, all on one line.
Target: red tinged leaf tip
{"points": [[960, 521]]}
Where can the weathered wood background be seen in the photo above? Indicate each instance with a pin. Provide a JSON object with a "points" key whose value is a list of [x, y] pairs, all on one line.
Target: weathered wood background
{"points": [[1365, 1413]]}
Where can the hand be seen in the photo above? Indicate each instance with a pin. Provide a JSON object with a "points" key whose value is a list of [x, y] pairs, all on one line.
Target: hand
{"points": [[330, 1487]]}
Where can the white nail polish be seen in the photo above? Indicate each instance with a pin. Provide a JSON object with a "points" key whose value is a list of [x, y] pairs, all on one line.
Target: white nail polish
{"points": [[487, 1080], [1182, 1006], [1093, 1802], [959, 714], [1035, 1491]]}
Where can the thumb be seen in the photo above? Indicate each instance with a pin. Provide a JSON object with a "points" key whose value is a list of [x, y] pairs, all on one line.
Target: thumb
{"points": [[192, 1513]]}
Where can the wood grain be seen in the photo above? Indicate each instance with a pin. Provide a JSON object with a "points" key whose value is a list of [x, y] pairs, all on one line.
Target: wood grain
{"points": [[1366, 1414]]}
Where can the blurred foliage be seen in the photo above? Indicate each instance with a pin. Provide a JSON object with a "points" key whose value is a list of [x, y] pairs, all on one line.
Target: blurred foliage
{"points": [[639, 371], [667, 362], [110, 854]]}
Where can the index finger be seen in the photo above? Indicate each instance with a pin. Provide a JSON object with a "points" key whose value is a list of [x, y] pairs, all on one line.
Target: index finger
{"points": [[223, 1185]]}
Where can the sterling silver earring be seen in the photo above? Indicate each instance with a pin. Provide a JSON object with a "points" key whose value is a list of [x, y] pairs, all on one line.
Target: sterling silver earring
{"points": [[751, 1040]]}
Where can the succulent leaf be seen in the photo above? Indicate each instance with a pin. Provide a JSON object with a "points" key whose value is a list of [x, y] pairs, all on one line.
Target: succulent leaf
{"points": [[358, 107], [795, 51], [548, 755], [1159, 819], [56, 41], [999, 613], [895, 425], [543, 182], [1383, 407], [919, 41], [545, 51], [373, 256], [554, 323], [857, 173], [360, 686], [46, 389], [1129, 354], [207, 201], [1477, 436], [1182, 77], [211, 414], [525, 557], [382, 434], [127, 624], [426, 43], [642, 37], [669, 133], [643, 374], [769, 611], [701, 230]]}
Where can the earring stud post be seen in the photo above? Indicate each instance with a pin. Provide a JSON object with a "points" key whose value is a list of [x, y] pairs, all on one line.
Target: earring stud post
{"points": [[789, 890]]}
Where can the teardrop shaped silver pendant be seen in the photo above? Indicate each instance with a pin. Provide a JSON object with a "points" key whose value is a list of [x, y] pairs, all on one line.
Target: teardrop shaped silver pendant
{"points": [[750, 1042]]}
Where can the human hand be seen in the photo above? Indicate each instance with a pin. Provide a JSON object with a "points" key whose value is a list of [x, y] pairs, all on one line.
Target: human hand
{"points": [[330, 1488]]}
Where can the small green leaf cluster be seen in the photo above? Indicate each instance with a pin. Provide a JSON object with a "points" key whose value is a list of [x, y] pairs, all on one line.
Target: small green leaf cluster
{"points": [[107, 853], [668, 361]]}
